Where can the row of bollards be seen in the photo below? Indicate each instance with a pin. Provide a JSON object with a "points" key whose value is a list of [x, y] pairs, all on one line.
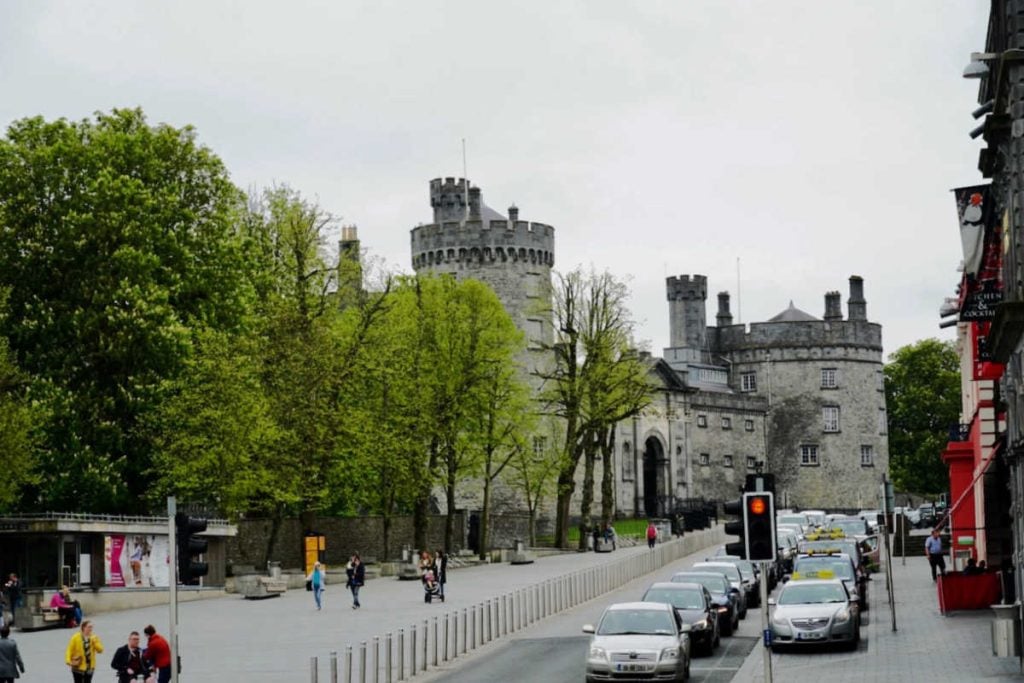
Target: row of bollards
{"points": [[455, 633]]}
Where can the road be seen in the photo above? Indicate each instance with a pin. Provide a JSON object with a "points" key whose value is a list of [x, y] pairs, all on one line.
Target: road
{"points": [[555, 649]]}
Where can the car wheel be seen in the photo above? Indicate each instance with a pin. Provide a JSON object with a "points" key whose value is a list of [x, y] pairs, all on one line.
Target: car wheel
{"points": [[727, 628]]}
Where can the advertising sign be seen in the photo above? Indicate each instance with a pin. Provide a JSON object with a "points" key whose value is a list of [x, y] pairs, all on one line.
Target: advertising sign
{"points": [[136, 561], [982, 287]]}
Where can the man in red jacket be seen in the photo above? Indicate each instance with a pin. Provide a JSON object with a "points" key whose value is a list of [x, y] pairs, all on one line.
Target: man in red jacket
{"points": [[158, 654]]}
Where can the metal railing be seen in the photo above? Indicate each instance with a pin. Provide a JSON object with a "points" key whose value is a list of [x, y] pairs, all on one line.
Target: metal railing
{"points": [[415, 649]]}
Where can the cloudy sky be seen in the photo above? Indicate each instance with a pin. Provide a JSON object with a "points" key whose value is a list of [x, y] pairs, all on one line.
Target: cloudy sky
{"points": [[806, 141]]}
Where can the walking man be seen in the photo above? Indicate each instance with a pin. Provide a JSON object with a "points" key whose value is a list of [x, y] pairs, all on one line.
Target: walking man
{"points": [[356, 578], [158, 654], [933, 551], [128, 661]]}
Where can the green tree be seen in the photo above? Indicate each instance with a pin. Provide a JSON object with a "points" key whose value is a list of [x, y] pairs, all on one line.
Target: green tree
{"points": [[922, 394], [533, 471], [20, 418], [117, 241]]}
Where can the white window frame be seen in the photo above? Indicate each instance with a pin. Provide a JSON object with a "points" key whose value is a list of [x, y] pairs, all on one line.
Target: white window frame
{"points": [[704, 459], [702, 420], [748, 382], [830, 419], [751, 462], [829, 378], [809, 456], [867, 456]]}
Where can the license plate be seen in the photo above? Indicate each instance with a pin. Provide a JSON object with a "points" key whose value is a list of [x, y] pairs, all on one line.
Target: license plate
{"points": [[631, 667], [811, 635]]}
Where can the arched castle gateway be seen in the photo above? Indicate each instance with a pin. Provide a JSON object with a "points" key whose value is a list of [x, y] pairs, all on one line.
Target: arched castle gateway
{"points": [[802, 397]]}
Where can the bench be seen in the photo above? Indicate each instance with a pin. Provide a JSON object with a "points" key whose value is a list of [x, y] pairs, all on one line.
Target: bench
{"points": [[34, 615], [262, 587]]}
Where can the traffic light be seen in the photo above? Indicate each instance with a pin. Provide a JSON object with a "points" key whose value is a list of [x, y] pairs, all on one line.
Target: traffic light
{"points": [[735, 528], [189, 546], [759, 525]]}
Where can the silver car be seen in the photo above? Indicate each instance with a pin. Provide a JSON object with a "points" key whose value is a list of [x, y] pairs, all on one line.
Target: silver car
{"points": [[638, 641], [814, 612]]}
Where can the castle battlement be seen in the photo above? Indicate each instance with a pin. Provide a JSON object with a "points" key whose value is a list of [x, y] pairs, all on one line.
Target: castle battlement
{"points": [[495, 241], [804, 334], [682, 287]]}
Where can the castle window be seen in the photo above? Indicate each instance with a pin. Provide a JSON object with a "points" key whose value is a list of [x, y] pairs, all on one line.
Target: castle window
{"points": [[828, 378], [867, 456], [726, 422], [727, 461], [748, 381], [830, 415], [748, 425], [705, 459], [809, 455], [883, 422], [627, 462], [702, 420], [751, 463]]}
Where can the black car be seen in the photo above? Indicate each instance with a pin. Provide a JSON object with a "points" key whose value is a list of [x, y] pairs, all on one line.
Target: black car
{"points": [[725, 597], [694, 605]]}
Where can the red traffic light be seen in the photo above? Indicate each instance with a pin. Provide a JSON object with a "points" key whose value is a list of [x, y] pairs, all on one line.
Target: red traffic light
{"points": [[757, 505]]}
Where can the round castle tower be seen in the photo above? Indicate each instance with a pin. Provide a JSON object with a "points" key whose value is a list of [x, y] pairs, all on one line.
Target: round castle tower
{"points": [[468, 239]]}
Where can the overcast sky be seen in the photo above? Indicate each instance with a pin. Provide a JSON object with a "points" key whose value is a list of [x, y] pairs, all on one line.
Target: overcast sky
{"points": [[810, 140]]}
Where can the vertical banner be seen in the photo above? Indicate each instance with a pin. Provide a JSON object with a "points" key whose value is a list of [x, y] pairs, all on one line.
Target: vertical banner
{"points": [[980, 236]]}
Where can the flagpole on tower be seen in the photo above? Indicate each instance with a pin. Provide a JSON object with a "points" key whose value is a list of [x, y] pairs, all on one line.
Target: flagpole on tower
{"points": [[465, 177]]}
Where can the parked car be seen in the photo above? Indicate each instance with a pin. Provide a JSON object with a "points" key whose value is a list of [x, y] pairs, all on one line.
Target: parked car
{"points": [[832, 565], [725, 597], [814, 612], [647, 639], [693, 603], [749, 572], [871, 517]]}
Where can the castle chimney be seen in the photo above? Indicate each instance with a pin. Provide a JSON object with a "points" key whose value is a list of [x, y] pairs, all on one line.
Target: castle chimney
{"points": [[474, 203], [513, 213], [856, 306], [833, 307], [724, 317]]}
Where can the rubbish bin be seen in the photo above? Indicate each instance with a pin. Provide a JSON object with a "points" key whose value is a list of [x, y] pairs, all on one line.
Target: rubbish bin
{"points": [[519, 546], [1006, 631], [274, 570]]}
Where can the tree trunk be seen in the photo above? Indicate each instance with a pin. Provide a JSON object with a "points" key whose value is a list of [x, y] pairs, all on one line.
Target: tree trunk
{"points": [[566, 486], [449, 520], [385, 522], [587, 500], [421, 506], [485, 520], [608, 476], [275, 528]]}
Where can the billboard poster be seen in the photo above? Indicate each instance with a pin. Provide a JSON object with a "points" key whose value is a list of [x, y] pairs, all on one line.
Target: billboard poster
{"points": [[982, 286], [136, 561]]}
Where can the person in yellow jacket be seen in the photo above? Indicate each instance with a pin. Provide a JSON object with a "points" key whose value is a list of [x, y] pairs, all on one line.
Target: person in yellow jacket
{"points": [[81, 653]]}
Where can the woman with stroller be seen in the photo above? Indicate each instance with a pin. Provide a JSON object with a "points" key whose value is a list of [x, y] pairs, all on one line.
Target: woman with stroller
{"points": [[428, 576]]}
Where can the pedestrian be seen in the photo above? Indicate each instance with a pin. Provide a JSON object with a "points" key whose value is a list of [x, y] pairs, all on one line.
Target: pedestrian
{"points": [[157, 654], [316, 583], [81, 653], [69, 609], [933, 551], [652, 534], [13, 590], [129, 662], [10, 658], [356, 573], [441, 571]]}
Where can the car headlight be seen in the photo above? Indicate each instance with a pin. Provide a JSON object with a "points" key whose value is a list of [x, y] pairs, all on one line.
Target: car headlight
{"points": [[597, 653], [700, 625], [670, 653], [779, 621], [842, 616]]}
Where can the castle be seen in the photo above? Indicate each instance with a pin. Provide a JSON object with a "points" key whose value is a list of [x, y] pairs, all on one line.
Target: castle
{"points": [[797, 396]]}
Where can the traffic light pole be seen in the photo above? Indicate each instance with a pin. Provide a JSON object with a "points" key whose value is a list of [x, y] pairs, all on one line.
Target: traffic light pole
{"points": [[764, 624], [172, 556]]}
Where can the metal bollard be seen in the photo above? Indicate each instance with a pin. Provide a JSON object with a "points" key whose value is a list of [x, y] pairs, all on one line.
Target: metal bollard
{"points": [[387, 662], [376, 659], [362, 662], [465, 631], [426, 641], [313, 669], [412, 651], [444, 653], [401, 654], [472, 629], [436, 644], [490, 621], [348, 664]]}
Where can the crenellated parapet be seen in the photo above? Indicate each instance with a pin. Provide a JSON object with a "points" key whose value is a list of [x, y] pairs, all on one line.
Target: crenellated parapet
{"points": [[687, 287], [476, 241]]}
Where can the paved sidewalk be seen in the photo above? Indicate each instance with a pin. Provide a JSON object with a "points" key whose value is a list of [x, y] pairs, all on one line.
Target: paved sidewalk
{"points": [[273, 640], [926, 646]]}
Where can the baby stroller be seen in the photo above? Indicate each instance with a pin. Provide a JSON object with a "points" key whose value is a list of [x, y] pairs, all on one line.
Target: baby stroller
{"points": [[431, 587]]}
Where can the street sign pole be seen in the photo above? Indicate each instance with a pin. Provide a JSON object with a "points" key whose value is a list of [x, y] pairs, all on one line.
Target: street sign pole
{"points": [[172, 573]]}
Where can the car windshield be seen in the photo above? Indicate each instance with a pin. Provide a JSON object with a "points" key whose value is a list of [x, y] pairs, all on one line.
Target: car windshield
{"points": [[684, 598], [792, 519], [716, 585], [746, 567], [809, 566], [729, 570], [848, 526], [796, 593], [618, 622]]}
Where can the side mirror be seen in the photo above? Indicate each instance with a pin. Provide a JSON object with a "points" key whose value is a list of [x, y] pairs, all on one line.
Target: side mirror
{"points": [[771, 602], [588, 628], [685, 628]]}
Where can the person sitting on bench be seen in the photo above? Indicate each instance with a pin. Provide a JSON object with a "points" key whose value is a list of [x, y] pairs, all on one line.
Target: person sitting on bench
{"points": [[69, 609]]}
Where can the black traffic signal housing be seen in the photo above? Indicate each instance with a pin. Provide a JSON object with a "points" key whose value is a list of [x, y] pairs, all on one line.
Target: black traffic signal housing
{"points": [[189, 546], [735, 528], [759, 526]]}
